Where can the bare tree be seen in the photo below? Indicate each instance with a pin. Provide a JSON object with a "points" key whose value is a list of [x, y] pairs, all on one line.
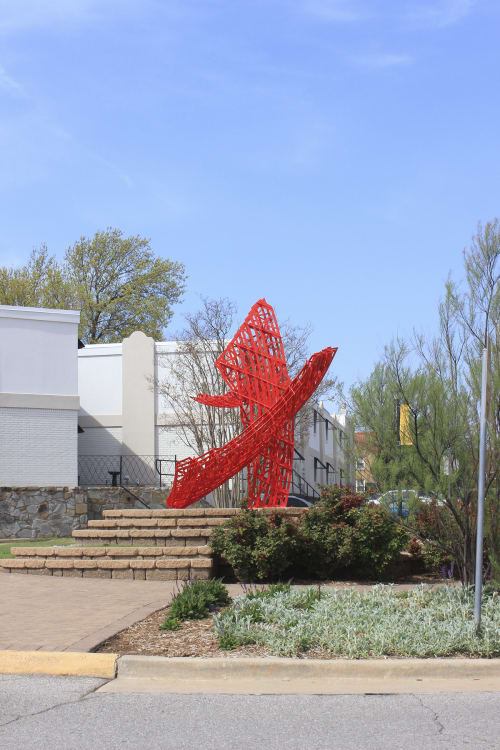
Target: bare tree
{"points": [[192, 371]]}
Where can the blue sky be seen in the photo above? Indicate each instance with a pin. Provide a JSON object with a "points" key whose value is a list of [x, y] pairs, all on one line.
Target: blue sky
{"points": [[334, 156]]}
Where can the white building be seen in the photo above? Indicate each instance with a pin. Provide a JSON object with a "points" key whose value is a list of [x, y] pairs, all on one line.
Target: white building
{"points": [[38, 397], [323, 450], [129, 436]]}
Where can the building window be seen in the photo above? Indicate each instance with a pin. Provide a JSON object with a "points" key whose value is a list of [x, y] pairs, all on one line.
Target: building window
{"points": [[360, 464], [360, 485], [315, 420], [330, 474]]}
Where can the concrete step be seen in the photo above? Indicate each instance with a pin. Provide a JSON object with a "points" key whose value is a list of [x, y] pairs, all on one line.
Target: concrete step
{"points": [[121, 553], [160, 537], [172, 513], [169, 527], [224, 513], [139, 564], [154, 523]]}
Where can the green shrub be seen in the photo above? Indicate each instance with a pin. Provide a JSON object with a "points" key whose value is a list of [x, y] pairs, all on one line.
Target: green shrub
{"points": [[327, 540], [342, 532], [414, 547], [194, 602], [257, 546], [378, 541]]}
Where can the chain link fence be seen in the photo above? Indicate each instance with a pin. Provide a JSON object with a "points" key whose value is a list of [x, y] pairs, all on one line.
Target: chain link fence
{"points": [[153, 471], [136, 471]]}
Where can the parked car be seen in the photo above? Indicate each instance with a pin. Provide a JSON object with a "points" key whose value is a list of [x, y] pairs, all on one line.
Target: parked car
{"points": [[294, 501], [400, 502]]}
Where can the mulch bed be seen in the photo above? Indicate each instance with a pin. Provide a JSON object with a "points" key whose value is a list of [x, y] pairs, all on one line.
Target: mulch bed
{"points": [[196, 639]]}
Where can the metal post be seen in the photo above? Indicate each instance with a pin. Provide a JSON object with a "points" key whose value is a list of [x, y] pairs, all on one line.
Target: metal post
{"points": [[480, 493]]}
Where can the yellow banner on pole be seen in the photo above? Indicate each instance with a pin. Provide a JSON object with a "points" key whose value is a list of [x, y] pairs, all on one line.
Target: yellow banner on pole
{"points": [[404, 425]]}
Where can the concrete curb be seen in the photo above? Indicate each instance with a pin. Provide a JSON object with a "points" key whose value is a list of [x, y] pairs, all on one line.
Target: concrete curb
{"points": [[252, 676], [181, 668], [58, 663]]}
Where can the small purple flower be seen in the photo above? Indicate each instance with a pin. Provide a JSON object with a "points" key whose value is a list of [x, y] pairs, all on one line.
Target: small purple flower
{"points": [[447, 572]]}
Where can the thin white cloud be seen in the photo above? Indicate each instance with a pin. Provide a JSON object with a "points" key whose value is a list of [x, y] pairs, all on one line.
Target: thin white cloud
{"points": [[113, 168], [380, 60], [439, 13], [16, 15], [7, 83], [335, 11], [27, 13]]}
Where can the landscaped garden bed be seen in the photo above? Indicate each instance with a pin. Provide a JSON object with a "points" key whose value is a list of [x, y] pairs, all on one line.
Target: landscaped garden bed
{"points": [[343, 536], [326, 622]]}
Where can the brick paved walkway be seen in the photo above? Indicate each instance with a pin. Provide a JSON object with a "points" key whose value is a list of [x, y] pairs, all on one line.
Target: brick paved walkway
{"points": [[71, 614]]}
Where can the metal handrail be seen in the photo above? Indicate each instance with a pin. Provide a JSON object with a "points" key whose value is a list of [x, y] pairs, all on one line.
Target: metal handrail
{"points": [[158, 467], [310, 491], [136, 497]]}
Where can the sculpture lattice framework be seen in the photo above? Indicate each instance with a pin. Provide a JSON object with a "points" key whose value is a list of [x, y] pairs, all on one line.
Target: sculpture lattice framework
{"points": [[253, 366]]}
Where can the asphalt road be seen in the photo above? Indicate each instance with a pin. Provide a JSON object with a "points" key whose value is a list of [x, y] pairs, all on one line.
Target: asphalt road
{"points": [[65, 713]]}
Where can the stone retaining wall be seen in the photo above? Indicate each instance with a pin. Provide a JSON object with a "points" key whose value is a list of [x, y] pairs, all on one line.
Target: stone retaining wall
{"points": [[32, 512]]}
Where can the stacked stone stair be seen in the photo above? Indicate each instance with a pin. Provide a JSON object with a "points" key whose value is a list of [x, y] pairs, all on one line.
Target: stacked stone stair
{"points": [[162, 528], [158, 545]]}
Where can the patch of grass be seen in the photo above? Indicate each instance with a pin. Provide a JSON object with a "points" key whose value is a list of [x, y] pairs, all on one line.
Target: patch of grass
{"points": [[55, 541], [425, 622], [194, 602]]}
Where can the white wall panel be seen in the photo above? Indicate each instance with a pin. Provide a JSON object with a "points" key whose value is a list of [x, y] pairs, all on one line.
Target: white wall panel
{"points": [[100, 379], [38, 355], [38, 447], [100, 441]]}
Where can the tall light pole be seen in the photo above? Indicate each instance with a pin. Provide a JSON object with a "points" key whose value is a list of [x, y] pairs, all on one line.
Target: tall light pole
{"points": [[480, 490]]}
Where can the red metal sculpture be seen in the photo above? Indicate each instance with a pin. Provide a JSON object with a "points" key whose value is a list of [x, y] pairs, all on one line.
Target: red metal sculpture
{"points": [[254, 367]]}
